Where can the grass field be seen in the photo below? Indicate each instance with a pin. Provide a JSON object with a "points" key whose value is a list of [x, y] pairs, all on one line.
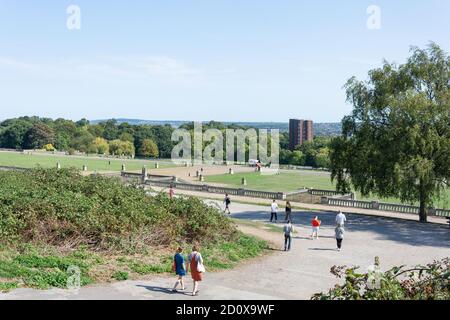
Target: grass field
{"points": [[288, 181], [15, 159]]}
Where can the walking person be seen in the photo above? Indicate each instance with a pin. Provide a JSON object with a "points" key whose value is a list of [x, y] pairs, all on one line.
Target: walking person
{"points": [[179, 268], [288, 212], [288, 231], [273, 211], [197, 269], [315, 223], [340, 219], [339, 231], [171, 192], [227, 202]]}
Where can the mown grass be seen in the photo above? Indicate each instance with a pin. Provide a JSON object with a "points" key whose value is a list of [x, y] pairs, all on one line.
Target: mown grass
{"points": [[15, 159], [294, 180]]}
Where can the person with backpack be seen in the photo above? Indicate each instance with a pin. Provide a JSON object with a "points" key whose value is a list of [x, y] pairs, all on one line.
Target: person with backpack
{"points": [[195, 263], [227, 202], [339, 231], [315, 227], [288, 231], [179, 268]]}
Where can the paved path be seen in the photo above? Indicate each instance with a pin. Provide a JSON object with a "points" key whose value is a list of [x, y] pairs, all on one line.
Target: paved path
{"points": [[293, 275], [308, 206]]}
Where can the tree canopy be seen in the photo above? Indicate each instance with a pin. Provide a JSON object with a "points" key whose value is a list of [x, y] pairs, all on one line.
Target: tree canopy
{"points": [[396, 142]]}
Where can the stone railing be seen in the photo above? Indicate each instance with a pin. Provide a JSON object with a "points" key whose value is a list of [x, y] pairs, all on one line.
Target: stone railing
{"points": [[331, 193], [382, 206], [442, 212], [216, 189]]}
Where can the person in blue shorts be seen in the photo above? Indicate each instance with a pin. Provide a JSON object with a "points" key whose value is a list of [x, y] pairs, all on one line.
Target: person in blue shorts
{"points": [[179, 267]]}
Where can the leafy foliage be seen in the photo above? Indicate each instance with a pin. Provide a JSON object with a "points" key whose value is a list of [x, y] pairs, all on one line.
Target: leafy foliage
{"points": [[61, 207], [396, 143], [430, 282]]}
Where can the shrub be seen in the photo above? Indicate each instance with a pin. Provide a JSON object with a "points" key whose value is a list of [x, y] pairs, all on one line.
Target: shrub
{"points": [[430, 282], [63, 208]]}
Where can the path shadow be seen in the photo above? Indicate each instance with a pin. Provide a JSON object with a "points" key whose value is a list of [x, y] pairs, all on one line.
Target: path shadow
{"points": [[322, 249], [161, 290], [398, 230]]}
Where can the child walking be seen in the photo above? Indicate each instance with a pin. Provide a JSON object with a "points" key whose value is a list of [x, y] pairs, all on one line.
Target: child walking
{"points": [[315, 227]]}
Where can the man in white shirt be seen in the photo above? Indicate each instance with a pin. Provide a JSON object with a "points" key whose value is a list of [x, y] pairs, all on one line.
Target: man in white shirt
{"points": [[340, 219], [274, 210]]}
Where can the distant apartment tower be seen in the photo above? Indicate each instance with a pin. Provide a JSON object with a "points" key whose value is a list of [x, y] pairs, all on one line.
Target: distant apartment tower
{"points": [[299, 132]]}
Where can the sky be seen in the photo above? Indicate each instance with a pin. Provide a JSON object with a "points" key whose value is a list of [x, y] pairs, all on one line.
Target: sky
{"points": [[223, 60]]}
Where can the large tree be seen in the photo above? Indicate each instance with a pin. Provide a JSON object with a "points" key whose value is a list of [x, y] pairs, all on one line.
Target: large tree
{"points": [[396, 142], [149, 149], [39, 135]]}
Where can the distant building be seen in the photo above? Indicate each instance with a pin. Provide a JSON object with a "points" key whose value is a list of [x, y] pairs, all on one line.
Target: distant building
{"points": [[299, 132]]}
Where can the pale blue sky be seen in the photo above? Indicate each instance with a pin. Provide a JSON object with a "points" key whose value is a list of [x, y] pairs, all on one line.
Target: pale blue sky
{"points": [[224, 60]]}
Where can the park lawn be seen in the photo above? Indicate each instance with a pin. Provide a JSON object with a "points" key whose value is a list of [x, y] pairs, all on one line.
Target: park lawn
{"points": [[288, 181], [16, 159]]}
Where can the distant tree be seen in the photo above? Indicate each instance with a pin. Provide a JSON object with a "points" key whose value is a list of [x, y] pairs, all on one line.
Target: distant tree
{"points": [[99, 146], [82, 123], [149, 149], [125, 136], [298, 158], [49, 147], [323, 158], [39, 135], [121, 148], [397, 140], [62, 141], [82, 140], [110, 132], [13, 134]]}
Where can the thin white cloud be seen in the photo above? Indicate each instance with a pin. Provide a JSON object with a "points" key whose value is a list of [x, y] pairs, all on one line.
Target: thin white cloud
{"points": [[10, 63], [149, 66]]}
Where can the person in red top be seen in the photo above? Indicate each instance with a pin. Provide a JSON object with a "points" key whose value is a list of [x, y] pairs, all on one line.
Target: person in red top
{"points": [[171, 192], [315, 227]]}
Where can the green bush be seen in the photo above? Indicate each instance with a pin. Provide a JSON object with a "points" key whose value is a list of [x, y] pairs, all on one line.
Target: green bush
{"points": [[120, 275], [430, 282], [64, 208]]}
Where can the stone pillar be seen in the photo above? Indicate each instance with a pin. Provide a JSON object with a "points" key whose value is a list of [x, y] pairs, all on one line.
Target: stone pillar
{"points": [[144, 177], [174, 179], [84, 167], [324, 200], [431, 211], [186, 164], [201, 178], [124, 167], [157, 165], [231, 171], [58, 165], [197, 173], [244, 182]]}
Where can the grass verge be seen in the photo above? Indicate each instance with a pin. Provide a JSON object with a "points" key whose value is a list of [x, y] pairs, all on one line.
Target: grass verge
{"points": [[47, 267]]}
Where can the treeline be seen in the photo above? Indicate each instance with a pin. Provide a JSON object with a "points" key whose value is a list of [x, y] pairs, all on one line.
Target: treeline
{"points": [[311, 154], [107, 137], [123, 139]]}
